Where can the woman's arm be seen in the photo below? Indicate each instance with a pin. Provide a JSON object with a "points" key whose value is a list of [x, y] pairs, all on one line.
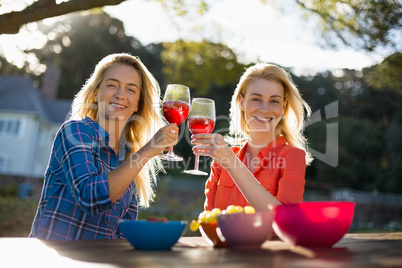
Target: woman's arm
{"points": [[120, 178], [214, 145], [95, 192]]}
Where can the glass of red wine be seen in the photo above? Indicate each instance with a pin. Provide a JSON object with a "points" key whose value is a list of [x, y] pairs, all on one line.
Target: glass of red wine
{"points": [[201, 119], [175, 107]]}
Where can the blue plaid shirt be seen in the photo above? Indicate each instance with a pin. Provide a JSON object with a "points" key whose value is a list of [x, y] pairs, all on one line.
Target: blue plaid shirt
{"points": [[75, 202]]}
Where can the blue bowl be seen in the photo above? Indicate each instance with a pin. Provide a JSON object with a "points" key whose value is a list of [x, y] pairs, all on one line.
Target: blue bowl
{"points": [[149, 235]]}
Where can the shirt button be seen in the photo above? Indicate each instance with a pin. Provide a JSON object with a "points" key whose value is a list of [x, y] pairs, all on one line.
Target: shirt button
{"points": [[104, 222]]}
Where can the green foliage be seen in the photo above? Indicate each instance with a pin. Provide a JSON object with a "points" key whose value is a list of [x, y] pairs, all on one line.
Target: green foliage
{"points": [[367, 24], [16, 216], [78, 43], [10, 190], [360, 144], [183, 8], [392, 161], [388, 74], [7, 68], [200, 65], [369, 128]]}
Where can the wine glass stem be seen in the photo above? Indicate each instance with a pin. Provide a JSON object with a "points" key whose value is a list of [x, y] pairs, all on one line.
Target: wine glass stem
{"points": [[170, 152], [196, 163]]}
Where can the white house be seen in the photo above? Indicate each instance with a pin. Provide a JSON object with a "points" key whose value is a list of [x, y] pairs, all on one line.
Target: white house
{"points": [[28, 123]]}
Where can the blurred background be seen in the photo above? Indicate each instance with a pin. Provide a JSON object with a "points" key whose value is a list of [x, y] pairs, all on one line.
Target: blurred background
{"points": [[345, 57]]}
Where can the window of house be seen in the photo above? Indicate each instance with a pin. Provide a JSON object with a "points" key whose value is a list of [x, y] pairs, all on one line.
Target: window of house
{"points": [[10, 127], [3, 163]]}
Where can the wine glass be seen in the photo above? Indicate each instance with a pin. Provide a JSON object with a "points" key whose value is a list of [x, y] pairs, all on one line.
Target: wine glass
{"points": [[201, 119], [175, 107]]}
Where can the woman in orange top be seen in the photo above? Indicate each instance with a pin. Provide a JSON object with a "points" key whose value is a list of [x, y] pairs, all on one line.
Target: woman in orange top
{"points": [[267, 162]]}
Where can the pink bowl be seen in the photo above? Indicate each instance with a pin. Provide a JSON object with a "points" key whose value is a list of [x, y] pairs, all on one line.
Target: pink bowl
{"points": [[246, 231], [313, 224]]}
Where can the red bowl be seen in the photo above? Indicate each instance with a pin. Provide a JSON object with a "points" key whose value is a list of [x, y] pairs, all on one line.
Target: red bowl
{"points": [[313, 224], [208, 231]]}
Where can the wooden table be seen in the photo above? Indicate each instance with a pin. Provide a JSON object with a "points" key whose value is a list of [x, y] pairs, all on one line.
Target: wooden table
{"points": [[354, 250]]}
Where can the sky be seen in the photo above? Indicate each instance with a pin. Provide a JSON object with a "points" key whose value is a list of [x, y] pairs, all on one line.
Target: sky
{"points": [[256, 32]]}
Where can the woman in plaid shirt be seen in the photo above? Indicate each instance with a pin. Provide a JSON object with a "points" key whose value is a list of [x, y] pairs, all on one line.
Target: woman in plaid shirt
{"points": [[102, 161]]}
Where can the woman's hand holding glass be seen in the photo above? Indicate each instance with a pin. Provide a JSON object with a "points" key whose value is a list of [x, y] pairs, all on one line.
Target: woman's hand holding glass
{"points": [[215, 146], [201, 119], [176, 105], [165, 138]]}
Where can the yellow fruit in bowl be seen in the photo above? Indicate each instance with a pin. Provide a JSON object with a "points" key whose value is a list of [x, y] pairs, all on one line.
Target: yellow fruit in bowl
{"points": [[203, 216], [249, 210], [208, 216], [217, 211], [211, 216], [194, 225], [231, 209], [239, 209]]}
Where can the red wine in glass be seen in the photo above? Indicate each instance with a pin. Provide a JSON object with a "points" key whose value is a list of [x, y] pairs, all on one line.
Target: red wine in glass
{"points": [[201, 120], [175, 111], [175, 108], [199, 125]]}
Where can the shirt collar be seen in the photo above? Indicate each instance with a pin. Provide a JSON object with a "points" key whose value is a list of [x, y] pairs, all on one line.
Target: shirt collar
{"points": [[104, 137], [268, 151], [102, 133], [273, 148]]}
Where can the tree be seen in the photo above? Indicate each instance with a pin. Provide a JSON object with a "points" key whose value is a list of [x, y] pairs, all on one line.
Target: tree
{"points": [[9, 68], [366, 24], [388, 74], [200, 65], [78, 42], [393, 172], [361, 145], [42, 9]]}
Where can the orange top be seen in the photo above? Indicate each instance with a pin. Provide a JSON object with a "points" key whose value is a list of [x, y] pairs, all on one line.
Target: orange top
{"points": [[281, 170]]}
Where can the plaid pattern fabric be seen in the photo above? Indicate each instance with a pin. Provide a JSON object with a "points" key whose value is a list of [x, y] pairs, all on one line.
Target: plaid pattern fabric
{"points": [[75, 202]]}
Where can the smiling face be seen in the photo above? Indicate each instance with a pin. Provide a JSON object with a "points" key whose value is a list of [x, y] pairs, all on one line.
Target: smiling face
{"points": [[263, 105], [118, 94]]}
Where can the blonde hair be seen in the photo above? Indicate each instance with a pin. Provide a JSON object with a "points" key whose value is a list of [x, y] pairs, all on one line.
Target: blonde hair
{"points": [[291, 126], [140, 127]]}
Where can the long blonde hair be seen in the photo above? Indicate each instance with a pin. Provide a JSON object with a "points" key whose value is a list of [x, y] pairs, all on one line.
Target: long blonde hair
{"points": [[292, 124], [140, 127]]}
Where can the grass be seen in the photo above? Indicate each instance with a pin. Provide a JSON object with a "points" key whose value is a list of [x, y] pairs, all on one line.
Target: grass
{"points": [[16, 216]]}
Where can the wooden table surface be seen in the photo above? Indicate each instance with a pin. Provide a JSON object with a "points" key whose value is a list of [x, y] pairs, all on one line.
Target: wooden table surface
{"points": [[354, 250]]}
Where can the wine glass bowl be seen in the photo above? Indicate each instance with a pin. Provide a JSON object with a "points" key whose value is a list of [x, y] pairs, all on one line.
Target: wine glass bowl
{"points": [[201, 119], [175, 108], [175, 111], [199, 125]]}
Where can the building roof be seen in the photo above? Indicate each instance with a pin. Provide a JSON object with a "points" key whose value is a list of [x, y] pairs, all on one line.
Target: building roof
{"points": [[18, 94]]}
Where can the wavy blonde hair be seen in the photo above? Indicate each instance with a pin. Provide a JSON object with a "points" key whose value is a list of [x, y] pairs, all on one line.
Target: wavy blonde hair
{"points": [[292, 124], [140, 127]]}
